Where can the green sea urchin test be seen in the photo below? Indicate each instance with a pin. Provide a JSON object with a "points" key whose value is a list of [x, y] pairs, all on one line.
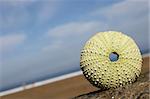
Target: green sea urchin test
{"points": [[111, 59]]}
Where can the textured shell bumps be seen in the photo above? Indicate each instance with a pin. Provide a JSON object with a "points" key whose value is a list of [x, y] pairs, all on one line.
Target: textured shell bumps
{"points": [[100, 70]]}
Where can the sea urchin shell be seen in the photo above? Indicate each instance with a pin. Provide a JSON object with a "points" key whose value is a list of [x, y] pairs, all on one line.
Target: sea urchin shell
{"points": [[100, 70]]}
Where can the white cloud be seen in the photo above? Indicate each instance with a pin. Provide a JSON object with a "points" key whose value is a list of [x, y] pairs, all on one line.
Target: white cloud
{"points": [[18, 15], [9, 42], [118, 16], [76, 28], [125, 9], [53, 47], [70, 35]]}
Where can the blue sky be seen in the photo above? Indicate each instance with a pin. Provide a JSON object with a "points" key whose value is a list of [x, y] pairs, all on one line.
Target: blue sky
{"points": [[43, 39]]}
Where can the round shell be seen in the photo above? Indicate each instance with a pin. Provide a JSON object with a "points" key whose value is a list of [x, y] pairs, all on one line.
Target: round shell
{"points": [[100, 70]]}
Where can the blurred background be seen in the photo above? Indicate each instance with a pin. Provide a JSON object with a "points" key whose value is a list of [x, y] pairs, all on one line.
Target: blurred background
{"points": [[40, 40]]}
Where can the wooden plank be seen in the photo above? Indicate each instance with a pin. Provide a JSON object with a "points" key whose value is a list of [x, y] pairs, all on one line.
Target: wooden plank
{"points": [[63, 89]]}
